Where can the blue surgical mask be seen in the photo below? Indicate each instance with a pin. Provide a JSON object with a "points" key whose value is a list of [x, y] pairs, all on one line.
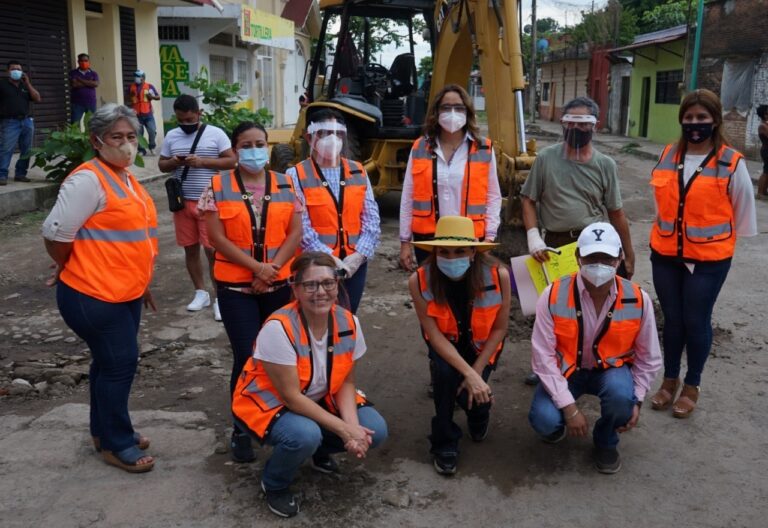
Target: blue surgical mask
{"points": [[454, 268], [16, 75], [253, 158]]}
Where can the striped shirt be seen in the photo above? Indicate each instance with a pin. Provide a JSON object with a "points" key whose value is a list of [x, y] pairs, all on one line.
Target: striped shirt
{"points": [[212, 144], [370, 229]]}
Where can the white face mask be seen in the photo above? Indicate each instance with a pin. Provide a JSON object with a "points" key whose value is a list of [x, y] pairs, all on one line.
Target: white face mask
{"points": [[452, 121], [329, 147], [122, 156], [597, 274]]}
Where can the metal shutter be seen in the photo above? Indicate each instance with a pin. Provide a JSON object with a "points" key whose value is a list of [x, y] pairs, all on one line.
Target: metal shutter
{"points": [[128, 45], [37, 34]]}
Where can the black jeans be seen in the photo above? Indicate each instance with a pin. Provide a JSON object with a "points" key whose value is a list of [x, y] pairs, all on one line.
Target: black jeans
{"points": [[445, 433]]}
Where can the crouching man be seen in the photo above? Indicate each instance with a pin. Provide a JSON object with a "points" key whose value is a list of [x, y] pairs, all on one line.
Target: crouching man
{"points": [[595, 333]]}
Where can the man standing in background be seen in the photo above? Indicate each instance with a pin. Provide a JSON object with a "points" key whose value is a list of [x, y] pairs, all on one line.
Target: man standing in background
{"points": [[83, 81], [142, 94], [16, 125]]}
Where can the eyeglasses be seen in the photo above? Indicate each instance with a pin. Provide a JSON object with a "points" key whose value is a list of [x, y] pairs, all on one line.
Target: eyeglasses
{"points": [[328, 285], [453, 107]]}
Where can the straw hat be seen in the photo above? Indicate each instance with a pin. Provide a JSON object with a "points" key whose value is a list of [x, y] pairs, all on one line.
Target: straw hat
{"points": [[454, 231]]}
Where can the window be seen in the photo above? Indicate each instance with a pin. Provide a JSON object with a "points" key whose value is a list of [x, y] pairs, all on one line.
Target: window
{"points": [[545, 92], [221, 68], [667, 86], [736, 87], [173, 33], [242, 76]]}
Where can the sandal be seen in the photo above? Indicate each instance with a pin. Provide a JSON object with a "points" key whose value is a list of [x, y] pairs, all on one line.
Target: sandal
{"points": [[142, 442], [666, 394], [686, 403], [128, 460]]}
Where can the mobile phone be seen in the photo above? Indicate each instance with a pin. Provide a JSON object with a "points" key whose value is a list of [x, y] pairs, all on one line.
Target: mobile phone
{"points": [[182, 157]]}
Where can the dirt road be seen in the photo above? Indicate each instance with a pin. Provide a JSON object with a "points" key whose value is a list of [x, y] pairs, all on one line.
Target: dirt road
{"points": [[708, 471]]}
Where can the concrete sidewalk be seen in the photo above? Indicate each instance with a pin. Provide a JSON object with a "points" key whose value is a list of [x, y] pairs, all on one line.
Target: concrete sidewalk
{"points": [[17, 197], [639, 147]]}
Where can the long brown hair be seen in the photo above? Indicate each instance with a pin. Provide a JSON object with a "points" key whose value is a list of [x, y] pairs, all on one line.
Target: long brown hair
{"points": [[711, 103], [439, 283], [432, 126]]}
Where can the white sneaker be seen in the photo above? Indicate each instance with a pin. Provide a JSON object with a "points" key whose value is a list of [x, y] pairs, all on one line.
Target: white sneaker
{"points": [[216, 311], [201, 300]]}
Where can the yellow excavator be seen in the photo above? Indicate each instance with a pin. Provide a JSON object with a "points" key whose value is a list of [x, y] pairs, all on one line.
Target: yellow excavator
{"points": [[385, 106]]}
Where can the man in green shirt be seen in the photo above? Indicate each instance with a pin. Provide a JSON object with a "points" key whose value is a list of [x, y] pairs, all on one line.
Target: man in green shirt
{"points": [[571, 185]]}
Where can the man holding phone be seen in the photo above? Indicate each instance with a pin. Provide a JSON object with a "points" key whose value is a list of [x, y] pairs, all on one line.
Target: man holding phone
{"points": [[16, 126], [212, 153]]}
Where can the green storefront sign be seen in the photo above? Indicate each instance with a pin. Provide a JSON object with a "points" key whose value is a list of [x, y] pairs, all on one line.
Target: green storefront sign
{"points": [[174, 69]]}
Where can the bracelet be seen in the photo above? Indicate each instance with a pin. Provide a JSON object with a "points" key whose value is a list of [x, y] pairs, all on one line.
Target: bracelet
{"points": [[573, 415]]}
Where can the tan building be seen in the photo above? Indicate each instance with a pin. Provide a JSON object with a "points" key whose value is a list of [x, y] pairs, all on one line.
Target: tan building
{"points": [[563, 76]]}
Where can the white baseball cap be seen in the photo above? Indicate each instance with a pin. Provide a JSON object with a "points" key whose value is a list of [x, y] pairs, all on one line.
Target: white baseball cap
{"points": [[599, 237]]}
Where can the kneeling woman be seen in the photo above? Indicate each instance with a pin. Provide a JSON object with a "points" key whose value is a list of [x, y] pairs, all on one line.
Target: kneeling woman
{"points": [[298, 393], [461, 296]]}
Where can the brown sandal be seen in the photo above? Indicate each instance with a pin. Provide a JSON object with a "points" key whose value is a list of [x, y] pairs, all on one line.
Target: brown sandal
{"points": [[686, 403], [141, 441], [666, 394]]}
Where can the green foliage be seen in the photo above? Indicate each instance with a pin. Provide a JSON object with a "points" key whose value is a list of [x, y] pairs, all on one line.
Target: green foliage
{"points": [[66, 149], [544, 26], [221, 98], [670, 14], [384, 31], [425, 66], [613, 25]]}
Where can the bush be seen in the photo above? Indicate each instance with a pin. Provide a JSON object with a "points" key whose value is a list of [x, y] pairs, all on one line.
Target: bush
{"points": [[66, 149]]}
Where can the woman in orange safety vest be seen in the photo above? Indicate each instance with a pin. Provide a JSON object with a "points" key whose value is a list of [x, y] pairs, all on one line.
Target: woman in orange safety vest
{"points": [[102, 235], [451, 171], [704, 199], [461, 296], [254, 224], [298, 392]]}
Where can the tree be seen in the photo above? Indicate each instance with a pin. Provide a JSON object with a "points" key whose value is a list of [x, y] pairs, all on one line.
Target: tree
{"points": [[613, 25], [673, 13], [425, 66], [383, 31]]}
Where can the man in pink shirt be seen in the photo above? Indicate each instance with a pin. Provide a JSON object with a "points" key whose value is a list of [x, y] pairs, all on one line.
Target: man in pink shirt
{"points": [[595, 333]]}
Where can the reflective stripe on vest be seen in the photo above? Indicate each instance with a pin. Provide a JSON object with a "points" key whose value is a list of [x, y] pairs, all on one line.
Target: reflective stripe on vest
{"points": [[694, 224], [339, 230], [256, 404], [474, 187], [484, 309], [234, 217], [614, 344], [113, 252]]}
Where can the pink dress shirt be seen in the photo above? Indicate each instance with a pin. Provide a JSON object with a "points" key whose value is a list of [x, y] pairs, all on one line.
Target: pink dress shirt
{"points": [[544, 362]]}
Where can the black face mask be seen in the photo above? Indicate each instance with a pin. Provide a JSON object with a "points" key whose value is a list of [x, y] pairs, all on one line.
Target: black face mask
{"points": [[577, 138], [697, 132], [189, 129]]}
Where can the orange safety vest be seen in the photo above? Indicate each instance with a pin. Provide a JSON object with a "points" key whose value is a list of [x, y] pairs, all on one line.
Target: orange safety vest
{"points": [[263, 244], [484, 309], [474, 188], [338, 222], [614, 345], [114, 251], [694, 223], [139, 102], [256, 404]]}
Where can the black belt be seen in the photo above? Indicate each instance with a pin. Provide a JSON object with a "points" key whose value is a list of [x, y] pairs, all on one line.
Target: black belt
{"points": [[573, 233]]}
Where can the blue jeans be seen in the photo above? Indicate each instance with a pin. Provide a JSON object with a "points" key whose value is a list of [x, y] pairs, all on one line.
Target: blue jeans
{"points": [[616, 391], [15, 132], [294, 438], [243, 315], [353, 289], [78, 110], [110, 330], [148, 120], [687, 300]]}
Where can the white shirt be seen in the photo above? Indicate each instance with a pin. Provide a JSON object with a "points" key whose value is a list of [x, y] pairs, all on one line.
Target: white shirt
{"points": [[212, 144], [450, 175], [274, 346]]}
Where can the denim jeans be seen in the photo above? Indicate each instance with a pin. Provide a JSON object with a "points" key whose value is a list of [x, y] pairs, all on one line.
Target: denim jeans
{"points": [[78, 110], [446, 433], [353, 288], [294, 438], [148, 120], [110, 330], [15, 132], [687, 300], [243, 315], [616, 391]]}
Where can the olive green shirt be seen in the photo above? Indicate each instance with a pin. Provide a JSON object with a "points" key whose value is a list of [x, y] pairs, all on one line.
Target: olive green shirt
{"points": [[570, 195]]}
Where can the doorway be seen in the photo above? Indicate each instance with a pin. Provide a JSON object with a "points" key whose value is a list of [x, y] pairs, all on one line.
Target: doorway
{"points": [[624, 105], [645, 103]]}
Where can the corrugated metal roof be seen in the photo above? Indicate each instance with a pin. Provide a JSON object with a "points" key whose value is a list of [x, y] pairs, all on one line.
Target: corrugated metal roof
{"points": [[297, 10], [656, 37]]}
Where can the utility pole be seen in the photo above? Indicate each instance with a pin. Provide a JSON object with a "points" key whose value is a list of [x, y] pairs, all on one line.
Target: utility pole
{"points": [[697, 47], [532, 76]]}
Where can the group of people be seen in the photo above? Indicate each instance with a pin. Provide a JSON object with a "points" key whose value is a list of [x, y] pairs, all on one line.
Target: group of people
{"points": [[288, 254]]}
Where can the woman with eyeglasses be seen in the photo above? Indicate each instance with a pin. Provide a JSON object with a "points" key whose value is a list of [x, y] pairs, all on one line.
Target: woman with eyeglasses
{"points": [[253, 219], [297, 393], [451, 172]]}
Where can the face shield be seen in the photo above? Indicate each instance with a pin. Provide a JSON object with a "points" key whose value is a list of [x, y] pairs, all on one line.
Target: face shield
{"points": [[578, 130], [327, 140]]}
